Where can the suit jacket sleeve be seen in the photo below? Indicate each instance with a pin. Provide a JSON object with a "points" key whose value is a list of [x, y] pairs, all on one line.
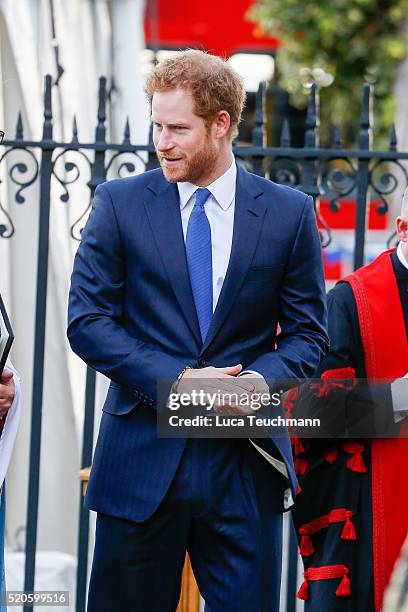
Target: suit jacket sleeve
{"points": [[303, 339], [95, 314]]}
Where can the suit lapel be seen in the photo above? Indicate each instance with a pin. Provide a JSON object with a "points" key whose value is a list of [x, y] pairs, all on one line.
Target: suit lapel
{"points": [[163, 210], [248, 220]]}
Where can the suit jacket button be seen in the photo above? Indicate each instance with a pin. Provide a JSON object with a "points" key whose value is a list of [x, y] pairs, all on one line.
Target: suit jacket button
{"points": [[202, 363]]}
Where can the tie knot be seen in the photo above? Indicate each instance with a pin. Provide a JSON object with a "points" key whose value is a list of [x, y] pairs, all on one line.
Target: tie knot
{"points": [[202, 195]]}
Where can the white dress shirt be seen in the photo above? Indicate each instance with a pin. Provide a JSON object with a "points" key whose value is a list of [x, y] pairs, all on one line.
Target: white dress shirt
{"points": [[220, 209], [399, 388], [401, 257]]}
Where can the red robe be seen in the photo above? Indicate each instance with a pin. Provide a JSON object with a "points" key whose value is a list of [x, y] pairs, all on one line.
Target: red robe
{"points": [[385, 347]]}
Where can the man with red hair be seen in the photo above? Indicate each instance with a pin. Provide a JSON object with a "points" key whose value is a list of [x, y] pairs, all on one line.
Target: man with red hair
{"points": [[182, 275]]}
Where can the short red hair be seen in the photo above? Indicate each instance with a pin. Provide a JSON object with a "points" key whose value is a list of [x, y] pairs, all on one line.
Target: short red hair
{"points": [[212, 82]]}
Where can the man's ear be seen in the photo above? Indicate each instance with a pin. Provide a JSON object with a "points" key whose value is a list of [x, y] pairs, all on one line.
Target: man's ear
{"points": [[402, 228], [222, 124]]}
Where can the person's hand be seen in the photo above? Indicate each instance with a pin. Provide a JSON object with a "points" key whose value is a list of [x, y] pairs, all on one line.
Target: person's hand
{"points": [[249, 404], [218, 383], [6, 392]]}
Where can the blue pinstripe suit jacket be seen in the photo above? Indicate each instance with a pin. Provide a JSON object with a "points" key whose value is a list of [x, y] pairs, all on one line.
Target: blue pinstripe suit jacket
{"points": [[132, 317]]}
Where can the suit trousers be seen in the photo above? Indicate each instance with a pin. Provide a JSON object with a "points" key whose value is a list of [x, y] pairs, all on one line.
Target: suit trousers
{"points": [[224, 506]]}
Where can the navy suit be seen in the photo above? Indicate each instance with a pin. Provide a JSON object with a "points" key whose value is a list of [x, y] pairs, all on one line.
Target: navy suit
{"points": [[132, 317]]}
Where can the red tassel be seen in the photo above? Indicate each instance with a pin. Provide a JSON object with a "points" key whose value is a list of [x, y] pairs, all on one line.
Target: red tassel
{"points": [[306, 546], [340, 373], [326, 572], [303, 592], [298, 447], [348, 532], [331, 455], [356, 463], [343, 590], [325, 387], [289, 400], [301, 465], [299, 490]]}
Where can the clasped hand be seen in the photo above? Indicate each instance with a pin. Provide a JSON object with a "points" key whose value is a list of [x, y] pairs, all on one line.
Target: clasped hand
{"points": [[232, 393]]}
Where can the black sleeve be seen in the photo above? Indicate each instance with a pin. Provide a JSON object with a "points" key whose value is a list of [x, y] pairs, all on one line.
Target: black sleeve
{"points": [[344, 332], [358, 410]]}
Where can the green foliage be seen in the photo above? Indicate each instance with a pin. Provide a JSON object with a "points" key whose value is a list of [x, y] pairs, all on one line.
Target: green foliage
{"points": [[339, 44]]}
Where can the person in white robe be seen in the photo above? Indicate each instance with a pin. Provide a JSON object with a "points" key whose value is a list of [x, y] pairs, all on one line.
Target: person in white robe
{"points": [[10, 411]]}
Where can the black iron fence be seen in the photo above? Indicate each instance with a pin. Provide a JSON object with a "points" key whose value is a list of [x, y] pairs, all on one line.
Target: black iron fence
{"points": [[333, 173]]}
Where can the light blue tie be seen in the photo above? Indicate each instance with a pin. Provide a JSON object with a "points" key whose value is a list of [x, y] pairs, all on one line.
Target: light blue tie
{"points": [[199, 260]]}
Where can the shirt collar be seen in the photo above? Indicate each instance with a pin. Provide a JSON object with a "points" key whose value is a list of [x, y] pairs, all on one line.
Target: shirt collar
{"points": [[222, 189], [401, 257]]}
